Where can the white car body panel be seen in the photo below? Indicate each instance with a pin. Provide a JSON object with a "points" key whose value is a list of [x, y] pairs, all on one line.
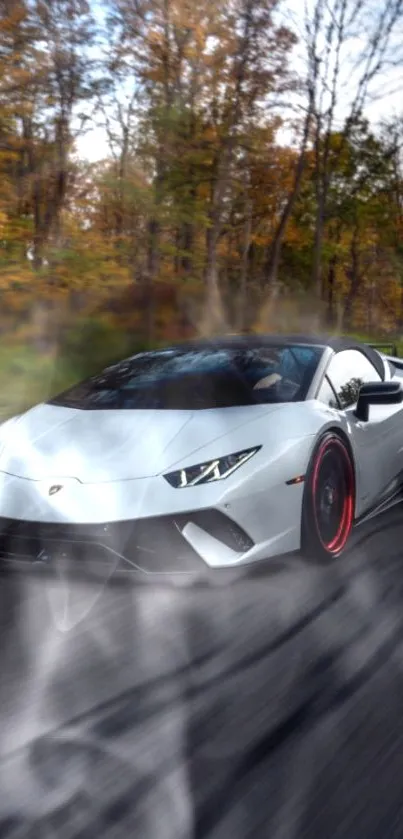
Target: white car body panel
{"points": [[110, 465], [97, 446], [93, 493]]}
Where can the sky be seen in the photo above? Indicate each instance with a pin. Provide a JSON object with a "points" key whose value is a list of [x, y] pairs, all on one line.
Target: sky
{"points": [[385, 100]]}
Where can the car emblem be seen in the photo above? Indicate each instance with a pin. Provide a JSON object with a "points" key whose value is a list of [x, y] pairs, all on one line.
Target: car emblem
{"points": [[55, 488]]}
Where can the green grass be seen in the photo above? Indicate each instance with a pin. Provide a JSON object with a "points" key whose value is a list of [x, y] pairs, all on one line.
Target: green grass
{"points": [[27, 377]]}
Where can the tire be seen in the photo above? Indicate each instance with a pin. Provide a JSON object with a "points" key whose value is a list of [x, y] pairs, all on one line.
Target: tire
{"points": [[329, 500]]}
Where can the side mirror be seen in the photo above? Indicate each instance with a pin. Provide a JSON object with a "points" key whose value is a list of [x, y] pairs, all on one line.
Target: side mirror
{"points": [[377, 393]]}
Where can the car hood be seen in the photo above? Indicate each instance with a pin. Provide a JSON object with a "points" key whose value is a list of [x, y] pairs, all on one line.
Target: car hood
{"points": [[51, 441]]}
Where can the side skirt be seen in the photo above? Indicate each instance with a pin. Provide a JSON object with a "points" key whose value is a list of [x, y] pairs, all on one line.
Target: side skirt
{"points": [[388, 500]]}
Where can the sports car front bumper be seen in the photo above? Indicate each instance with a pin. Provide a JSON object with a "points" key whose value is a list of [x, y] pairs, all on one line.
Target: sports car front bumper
{"points": [[152, 545], [147, 524]]}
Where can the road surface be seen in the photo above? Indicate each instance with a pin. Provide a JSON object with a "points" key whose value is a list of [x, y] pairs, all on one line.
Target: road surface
{"points": [[270, 707]]}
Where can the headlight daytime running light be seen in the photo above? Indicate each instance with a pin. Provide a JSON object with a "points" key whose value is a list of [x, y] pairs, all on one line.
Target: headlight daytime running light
{"points": [[210, 471]]}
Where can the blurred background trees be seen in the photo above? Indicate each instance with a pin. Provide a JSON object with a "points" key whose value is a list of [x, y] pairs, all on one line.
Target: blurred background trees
{"points": [[242, 182]]}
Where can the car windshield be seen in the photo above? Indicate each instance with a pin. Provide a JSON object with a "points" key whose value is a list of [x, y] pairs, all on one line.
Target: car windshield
{"points": [[183, 379]]}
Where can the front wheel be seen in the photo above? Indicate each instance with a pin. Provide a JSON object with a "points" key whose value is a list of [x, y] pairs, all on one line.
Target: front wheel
{"points": [[329, 499]]}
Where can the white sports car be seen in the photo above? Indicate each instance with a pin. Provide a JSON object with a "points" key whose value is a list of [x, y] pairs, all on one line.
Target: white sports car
{"points": [[209, 454]]}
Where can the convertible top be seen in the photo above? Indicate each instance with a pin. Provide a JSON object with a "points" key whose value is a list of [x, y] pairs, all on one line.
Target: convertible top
{"points": [[336, 343]]}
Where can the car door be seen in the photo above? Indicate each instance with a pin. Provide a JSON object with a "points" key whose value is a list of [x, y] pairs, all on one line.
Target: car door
{"points": [[377, 444]]}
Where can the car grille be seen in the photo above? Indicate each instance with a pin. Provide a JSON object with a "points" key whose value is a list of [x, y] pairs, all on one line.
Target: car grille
{"points": [[151, 545]]}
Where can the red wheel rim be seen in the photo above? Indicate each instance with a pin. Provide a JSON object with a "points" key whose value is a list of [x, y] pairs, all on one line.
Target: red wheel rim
{"points": [[333, 495]]}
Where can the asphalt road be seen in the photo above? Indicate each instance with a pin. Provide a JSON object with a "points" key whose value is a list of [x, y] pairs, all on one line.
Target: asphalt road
{"points": [[270, 707]]}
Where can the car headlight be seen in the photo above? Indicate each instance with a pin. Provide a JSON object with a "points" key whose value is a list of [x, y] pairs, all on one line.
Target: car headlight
{"points": [[212, 470]]}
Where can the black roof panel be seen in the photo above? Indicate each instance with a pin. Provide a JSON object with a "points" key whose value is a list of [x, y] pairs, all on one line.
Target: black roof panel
{"points": [[336, 343]]}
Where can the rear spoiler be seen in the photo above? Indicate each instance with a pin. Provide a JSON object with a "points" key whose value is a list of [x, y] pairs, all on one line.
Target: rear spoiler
{"points": [[390, 352], [386, 349]]}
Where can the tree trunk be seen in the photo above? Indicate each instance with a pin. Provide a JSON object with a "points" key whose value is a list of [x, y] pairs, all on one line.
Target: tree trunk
{"points": [[241, 320], [176, 260], [151, 273], [330, 314], [273, 261], [153, 258], [212, 236], [318, 245], [188, 243], [213, 318], [355, 282], [188, 231], [214, 309], [120, 210], [154, 228]]}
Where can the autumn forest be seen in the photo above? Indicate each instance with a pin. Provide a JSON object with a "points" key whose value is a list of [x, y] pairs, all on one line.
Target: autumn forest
{"points": [[242, 182]]}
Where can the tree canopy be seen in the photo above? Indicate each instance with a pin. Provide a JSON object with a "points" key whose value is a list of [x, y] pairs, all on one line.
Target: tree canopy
{"points": [[241, 186]]}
